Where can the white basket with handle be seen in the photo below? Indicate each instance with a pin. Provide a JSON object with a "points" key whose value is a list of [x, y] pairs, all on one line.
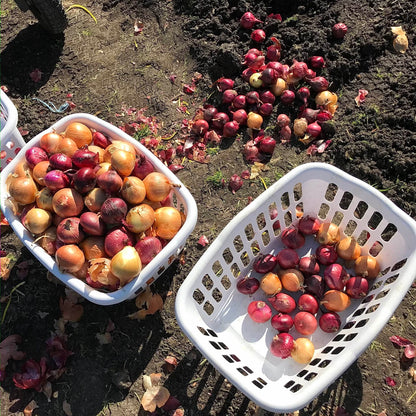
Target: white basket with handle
{"points": [[182, 200], [213, 314], [10, 137]]}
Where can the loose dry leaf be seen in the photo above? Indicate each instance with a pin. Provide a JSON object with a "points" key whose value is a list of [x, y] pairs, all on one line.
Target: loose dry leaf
{"points": [[155, 396], [147, 382], [400, 41], [257, 168], [70, 312], [28, 410], [66, 408], [9, 349], [47, 390], [179, 412], [7, 263], [148, 303], [105, 338], [412, 374]]}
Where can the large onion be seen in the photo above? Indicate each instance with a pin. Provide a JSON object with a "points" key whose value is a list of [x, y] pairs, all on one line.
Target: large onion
{"points": [[126, 264], [70, 258], [168, 221], [67, 202], [157, 186], [94, 199], [123, 161], [37, 220], [133, 190], [117, 145], [140, 218], [79, 133], [50, 142], [23, 190]]}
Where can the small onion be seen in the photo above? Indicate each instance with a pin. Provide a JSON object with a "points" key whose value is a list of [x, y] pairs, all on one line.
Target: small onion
{"points": [[348, 248], [140, 218], [94, 199], [67, 147], [142, 167], [303, 350], [254, 120], [367, 266], [60, 161], [328, 233], [84, 180], [92, 223], [133, 190], [117, 239], [116, 145], [56, 179], [50, 142], [84, 158], [278, 87], [34, 155]]}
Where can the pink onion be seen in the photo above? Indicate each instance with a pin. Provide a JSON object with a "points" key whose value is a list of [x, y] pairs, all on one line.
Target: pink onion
{"points": [[200, 127], [34, 155], [318, 84], [283, 120], [315, 285], [267, 96], [308, 225], [251, 152], [259, 311], [113, 210], [230, 129], [288, 258], [357, 287], [148, 248], [235, 183], [239, 101], [83, 158], [247, 285], [247, 73], [303, 94], [298, 69], [254, 61], [267, 145], [308, 303], [317, 62], [252, 97], [60, 161], [92, 224], [326, 254], [266, 109], [84, 180], [287, 97], [330, 322], [282, 322], [248, 20], [280, 69], [69, 232], [282, 345], [310, 73], [258, 35], [100, 140], [309, 264], [142, 167], [310, 115], [117, 239], [240, 116], [110, 181], [228, 96], [264, 263], [313, 129], [292, 238], [285, 134], [210, 112], [224, 84], [273, 53], [323, 116], [339, 30], [336, 276], [282, 302], [55, 180]]}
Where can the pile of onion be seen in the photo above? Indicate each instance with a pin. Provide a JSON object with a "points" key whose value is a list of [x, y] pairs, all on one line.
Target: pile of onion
{"points": [[87, 201]]}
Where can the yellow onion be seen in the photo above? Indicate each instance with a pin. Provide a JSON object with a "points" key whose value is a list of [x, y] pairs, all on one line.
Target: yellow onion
{"points": [[303, 350], [325, 98], [140, 218], [39, 172], [99, 271], [254, 120], [50, 142], [367, 266], [168, 221], [97, 149], [117, 145], [67, 146], [94, 199], [79, 133], [348, 248], [271, 284], [278, 87], [328, 233], [44, 199], [67, 202], [158, 186], [133, 190], [93, 247], [37, 220], [123, 161], [23, 190], [70, 258], [299, 126], [126, 264], [103, 167]]}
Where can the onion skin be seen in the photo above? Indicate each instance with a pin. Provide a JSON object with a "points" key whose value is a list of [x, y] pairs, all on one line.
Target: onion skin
{"points": [[126, 265], [70, 258], [93, 247]]}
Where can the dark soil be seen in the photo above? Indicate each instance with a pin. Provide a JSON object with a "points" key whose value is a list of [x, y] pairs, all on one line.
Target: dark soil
{"points": [[103, 69]]}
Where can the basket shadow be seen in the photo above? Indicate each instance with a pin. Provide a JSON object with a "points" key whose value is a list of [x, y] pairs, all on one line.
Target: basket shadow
{"points": [[33, 48]]}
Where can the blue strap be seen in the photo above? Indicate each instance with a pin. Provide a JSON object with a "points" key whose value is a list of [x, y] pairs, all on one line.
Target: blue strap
{"points": [[51, 106]]}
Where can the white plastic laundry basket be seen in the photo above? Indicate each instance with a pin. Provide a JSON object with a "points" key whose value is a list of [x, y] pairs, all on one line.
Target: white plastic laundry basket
{"points": [[10, 138], [213, 314], [182, 200]]}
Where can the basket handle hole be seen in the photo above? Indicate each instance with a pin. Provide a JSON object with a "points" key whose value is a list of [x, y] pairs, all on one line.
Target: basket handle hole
{"points": [[346, 200], [361, 323], [389, 232], [399, 265], [323, 211], [324, 363], [337, 350], [227, 256], [310, 376], [360, 210], [375, 220], [350, 337], [208, 308], [198, 296], [242, 371], [331, 192]]}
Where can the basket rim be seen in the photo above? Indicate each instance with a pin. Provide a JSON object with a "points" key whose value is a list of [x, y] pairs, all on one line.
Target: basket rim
{"points": [[127, 291], [182, 311]]}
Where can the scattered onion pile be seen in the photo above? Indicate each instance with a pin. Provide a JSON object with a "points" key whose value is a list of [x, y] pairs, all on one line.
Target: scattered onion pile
{"points": [[95, 204], [307, 292]]}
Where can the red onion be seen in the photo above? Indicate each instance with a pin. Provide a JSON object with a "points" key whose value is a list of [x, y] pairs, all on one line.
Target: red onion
{"points": [[298, 69], [336, 276], [252, 97], [224, 84], [264, 263], [309, 264], [84, 180], [69, 232], [313, 129], [110, 181], [100, 140], [278, 67], [305, 323], [240, 116], [258, 35], [303, 94], [285, 134], [315, 285], [251, 152], [326, 254], [235, 183], [330, 322], [113, 210], [209, 113], [283, 302], [292, 238], [282, 345], [83, 158], [148, 247], [219, 120], [34, 155], [267, 96], [175, 167], [248, 20], [228, 96], [310, 73], [318, 84], [117, 239], [247, 73], [55, 180], [200, 127], [142, 167], [317, 62], [253, 61], [248, 285], [308, 303], [230, 129], [92, 224], [60, 161], [339, 30], [287, 97], [266, 109], [267, 145], [273, 53], [282, 322], [357, 287], [308, 225], [288, 258], [269, 76], [239, 101], [323, 116], [309, 114], [283, 120], [259, 311]]}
